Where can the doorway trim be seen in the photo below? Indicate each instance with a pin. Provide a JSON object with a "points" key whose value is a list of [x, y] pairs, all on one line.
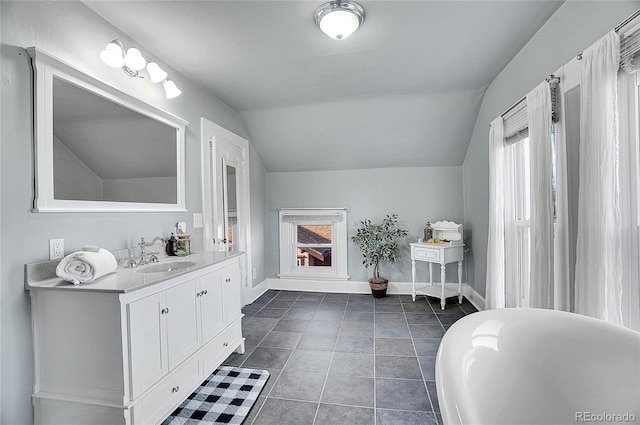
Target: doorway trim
{"points": [[212, 136]]}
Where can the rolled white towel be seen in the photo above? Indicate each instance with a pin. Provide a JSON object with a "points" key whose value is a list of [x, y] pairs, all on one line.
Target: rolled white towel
{"points": [[87, 265]]}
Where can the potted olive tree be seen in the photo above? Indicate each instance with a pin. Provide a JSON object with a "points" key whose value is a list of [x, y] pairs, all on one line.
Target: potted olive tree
{"points": [[379, 243]]}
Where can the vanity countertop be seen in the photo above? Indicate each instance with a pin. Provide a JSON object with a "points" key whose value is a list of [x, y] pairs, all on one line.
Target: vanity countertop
{"points": [[42, 275]]}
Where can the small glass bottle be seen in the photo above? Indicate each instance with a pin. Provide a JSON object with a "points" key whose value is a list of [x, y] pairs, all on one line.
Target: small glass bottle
{"points": [[172, 246]]}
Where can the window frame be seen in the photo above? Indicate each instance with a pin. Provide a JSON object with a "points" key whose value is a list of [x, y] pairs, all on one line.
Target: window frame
{"points": [[288, 221]]}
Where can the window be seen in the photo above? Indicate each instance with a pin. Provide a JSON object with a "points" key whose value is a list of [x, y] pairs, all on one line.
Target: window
{"points": [[517, 222], [313, 243]]}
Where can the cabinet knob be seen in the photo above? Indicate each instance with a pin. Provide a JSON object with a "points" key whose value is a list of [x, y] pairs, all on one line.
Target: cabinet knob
{"points": [[205, 292], [228, 280], [165, 310], [175, 389], [226, 344]]}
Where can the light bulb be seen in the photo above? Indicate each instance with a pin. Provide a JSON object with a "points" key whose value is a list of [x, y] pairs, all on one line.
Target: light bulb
{"points": [[171, 90], [339, 24], [156, 74], [134, 60], [112, 54]]}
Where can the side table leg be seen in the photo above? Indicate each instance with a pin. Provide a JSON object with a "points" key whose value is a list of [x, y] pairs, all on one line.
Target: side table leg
{"points": [[460, 282], [443, 272], [413, 279]]}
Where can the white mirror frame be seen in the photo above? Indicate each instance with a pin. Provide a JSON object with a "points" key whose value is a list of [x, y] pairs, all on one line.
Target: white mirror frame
{"points": [[45, 68]]}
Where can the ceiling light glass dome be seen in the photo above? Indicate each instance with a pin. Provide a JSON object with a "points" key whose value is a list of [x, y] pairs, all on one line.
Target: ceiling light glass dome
{"points": [[339, 19]]}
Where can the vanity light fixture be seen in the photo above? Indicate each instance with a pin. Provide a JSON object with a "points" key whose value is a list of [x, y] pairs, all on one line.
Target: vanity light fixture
{"points": [[339, 19], [170, 89], [132, 62]]}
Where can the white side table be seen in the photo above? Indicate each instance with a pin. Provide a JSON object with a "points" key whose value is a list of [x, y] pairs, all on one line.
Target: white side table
{"points": [[440, 254]]}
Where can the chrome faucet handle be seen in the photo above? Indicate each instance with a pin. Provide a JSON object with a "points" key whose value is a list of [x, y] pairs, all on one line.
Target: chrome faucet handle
{"points": [[131, 263]]}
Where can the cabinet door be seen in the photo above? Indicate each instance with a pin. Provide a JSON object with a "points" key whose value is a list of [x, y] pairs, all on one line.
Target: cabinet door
{"points": [[147, 342], [183, 334], [231, 293], [211, 310]]}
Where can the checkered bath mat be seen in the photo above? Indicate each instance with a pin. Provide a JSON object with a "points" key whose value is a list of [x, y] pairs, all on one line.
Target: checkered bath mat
{"points": [[225, 397]]}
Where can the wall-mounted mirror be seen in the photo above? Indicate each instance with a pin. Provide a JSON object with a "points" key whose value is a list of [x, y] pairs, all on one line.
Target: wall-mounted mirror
{"points": [[98, 149]]}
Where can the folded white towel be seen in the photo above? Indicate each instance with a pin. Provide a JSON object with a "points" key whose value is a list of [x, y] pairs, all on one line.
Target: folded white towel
{"points": [[86, 265]]}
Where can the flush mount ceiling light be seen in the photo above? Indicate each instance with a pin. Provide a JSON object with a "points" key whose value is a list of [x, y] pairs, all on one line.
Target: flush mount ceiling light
{"points": [[132, 62], [339, 19]]}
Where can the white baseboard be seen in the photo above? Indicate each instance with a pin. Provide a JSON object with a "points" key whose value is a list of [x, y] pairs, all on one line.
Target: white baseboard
{"points": [[254, 293], [352, 287]]}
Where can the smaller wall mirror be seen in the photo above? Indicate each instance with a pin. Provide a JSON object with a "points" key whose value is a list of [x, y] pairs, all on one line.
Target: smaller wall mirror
{"points": [[98, 149]]}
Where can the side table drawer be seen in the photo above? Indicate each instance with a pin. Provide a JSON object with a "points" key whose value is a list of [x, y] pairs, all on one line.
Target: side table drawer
{"points": [[427, 254]]}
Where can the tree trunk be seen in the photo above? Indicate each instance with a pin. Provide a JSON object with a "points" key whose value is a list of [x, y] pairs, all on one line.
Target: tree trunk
{"points": [[376, 275]]}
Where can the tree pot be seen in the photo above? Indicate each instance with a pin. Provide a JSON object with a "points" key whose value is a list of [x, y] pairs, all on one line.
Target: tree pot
{"points": [[379, 289]]}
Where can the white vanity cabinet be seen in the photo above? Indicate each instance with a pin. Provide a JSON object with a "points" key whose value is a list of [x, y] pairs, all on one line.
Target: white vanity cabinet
{"points": [[132, 357]]}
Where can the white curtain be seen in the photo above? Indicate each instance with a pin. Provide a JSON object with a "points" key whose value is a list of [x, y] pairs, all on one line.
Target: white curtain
{"points": [[598, 284], [541, 157], [495, 285], [562, 249], [629, 214]]}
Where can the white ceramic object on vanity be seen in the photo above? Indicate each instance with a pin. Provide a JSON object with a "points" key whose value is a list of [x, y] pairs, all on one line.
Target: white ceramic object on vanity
{"points": [[130, 347], [534, 366]]}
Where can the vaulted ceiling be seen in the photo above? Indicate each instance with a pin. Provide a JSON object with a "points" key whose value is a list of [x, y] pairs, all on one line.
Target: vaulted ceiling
{"points": [[403, 91]]}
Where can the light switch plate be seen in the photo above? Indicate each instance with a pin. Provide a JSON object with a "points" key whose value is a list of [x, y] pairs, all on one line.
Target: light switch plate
{"points": [[197, 220]]}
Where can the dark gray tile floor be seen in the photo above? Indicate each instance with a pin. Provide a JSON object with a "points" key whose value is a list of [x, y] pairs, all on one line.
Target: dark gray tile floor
{"points": [[345, 358]]}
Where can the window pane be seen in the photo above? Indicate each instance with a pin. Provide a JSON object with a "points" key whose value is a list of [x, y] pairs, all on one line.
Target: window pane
{"points": [[314, 234], [522, 177], [524, 254], [313, 257]]}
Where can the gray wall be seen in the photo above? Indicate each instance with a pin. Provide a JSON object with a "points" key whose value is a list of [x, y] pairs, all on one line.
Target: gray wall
{"points": [[75, 34], [415, 194], [575, 26]]}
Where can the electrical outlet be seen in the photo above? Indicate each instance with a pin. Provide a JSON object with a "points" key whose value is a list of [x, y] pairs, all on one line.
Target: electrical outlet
{"points": [[255, 273], [56, 248]]}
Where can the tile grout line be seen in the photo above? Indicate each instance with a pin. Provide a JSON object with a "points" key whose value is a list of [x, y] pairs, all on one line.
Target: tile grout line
{"points": [[424, 382], [324, 384], [375, 382], [283, 366]]}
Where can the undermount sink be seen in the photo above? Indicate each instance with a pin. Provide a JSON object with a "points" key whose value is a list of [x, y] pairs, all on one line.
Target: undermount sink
{"points": [[168, 266]]}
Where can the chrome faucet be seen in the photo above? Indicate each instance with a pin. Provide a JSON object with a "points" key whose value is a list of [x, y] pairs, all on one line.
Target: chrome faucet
{"points": [[142, 244]]}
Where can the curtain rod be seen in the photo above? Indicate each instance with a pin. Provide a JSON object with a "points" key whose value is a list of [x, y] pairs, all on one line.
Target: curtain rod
{"points": [[627, 21], [619, 27], [551, 79]]}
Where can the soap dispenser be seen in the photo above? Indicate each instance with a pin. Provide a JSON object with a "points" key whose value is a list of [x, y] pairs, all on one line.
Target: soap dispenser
{"points": [[172, 245]]}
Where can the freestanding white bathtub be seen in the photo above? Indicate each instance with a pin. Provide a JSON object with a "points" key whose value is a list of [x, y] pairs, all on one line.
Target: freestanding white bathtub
{"points": [[533, 366]]}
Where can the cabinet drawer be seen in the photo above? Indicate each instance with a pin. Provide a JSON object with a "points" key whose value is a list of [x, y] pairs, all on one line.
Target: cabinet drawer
{"points": [[158, 403], [216, 351], [427, 254]]}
